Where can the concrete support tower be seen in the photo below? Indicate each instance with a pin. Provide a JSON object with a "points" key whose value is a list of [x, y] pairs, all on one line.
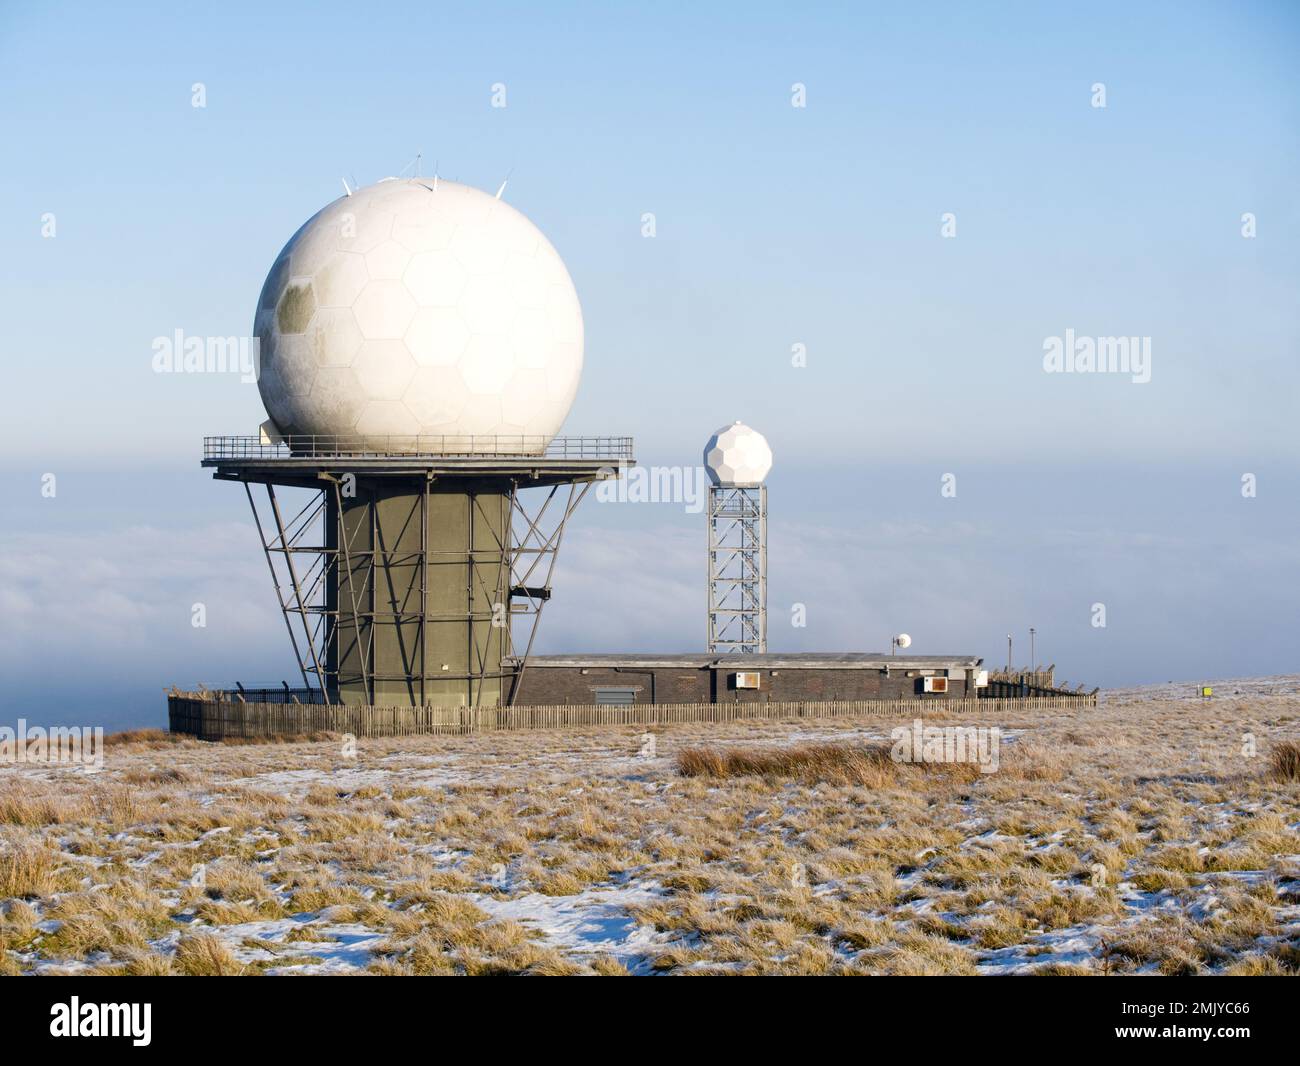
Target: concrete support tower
{"points": [[737, 459]]}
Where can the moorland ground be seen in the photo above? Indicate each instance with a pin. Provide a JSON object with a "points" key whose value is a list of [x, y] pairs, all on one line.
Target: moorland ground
{"points": [[1144, 835]]}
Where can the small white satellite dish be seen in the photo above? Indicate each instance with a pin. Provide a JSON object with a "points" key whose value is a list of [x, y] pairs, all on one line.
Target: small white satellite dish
{"points": [[902, 641]]}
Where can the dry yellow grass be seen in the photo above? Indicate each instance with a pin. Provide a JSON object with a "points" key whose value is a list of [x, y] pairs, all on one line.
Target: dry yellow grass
{"points": [[203, 955], [1285, 760], [26, 869], [1136, 838], [148, 738], [837, 764]]}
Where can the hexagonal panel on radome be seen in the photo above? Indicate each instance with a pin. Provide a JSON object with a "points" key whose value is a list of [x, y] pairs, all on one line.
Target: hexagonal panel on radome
{"points": [[388, 261], [418, 231], [384, 368], [436, 397], [437, 336], [546, 415], [297, 305], [334, 403], [294, 362], [512, 230], [563, 372], [524, 394], [361, 229], [564, 314], [274, 283], [435, 279], [551, 265], [467, 207], [526, 281], [486, 306], [384, 310], [277, 402], [387, 192], [381, 418], [487, 364], [314, 243], [482, 414], [479, 251], [531, 339], [264, 322], [334, 336], [340, 279]]}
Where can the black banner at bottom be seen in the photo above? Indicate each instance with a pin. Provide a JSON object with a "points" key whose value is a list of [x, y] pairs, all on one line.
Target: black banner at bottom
{"points": [[146, 1015]]}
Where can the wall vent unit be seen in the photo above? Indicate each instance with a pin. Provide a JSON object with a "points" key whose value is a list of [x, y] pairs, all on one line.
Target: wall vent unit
{"points": [[936, 684], [750, 679]]}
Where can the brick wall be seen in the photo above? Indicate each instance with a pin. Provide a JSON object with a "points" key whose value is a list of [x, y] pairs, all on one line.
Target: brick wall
{"points": [[547, 685]]}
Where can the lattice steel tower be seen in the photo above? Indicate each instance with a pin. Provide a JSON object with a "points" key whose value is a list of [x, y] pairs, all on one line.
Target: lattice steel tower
{"points": [[413, 576], [737, 459]]}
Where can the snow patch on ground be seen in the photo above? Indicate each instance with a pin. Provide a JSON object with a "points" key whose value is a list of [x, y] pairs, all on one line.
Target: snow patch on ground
{"points": [[592, 922], [295, 784]]}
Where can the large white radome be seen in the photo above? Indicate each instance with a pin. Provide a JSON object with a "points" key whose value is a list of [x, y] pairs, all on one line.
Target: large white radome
{"points": [[406, 309], [737, 456]]}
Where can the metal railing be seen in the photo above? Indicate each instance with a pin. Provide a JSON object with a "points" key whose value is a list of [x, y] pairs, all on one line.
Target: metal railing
{"points": [[310, 446], [240, 693]]}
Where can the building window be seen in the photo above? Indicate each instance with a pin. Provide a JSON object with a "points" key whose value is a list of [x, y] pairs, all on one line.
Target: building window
{"points": [[616, 697]]}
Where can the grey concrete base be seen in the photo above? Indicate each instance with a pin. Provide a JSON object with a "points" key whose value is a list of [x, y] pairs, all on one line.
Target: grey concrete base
{"points": [[420, 597]]}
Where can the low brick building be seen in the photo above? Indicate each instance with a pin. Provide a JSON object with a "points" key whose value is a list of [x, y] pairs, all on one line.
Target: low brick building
{"points": [[705, 678]]}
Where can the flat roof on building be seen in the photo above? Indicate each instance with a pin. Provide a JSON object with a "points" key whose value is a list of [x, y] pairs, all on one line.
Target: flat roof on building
{"points": [[807, 660]]}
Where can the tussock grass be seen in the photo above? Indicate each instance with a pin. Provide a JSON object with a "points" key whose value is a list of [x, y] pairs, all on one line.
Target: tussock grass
{"points": [[26, 870], [838, 764], [29, 804], [203, 955], [1253, 965], [1284, 763], [30, 810], [164, 775], [319, 736], [145, 738]]}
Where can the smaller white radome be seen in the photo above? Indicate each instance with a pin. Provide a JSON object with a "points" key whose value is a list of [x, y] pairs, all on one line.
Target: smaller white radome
{"points": [[737, 457]]}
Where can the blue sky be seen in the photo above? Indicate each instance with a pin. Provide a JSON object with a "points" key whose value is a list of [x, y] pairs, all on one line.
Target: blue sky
{"points": [[775, 226]]}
